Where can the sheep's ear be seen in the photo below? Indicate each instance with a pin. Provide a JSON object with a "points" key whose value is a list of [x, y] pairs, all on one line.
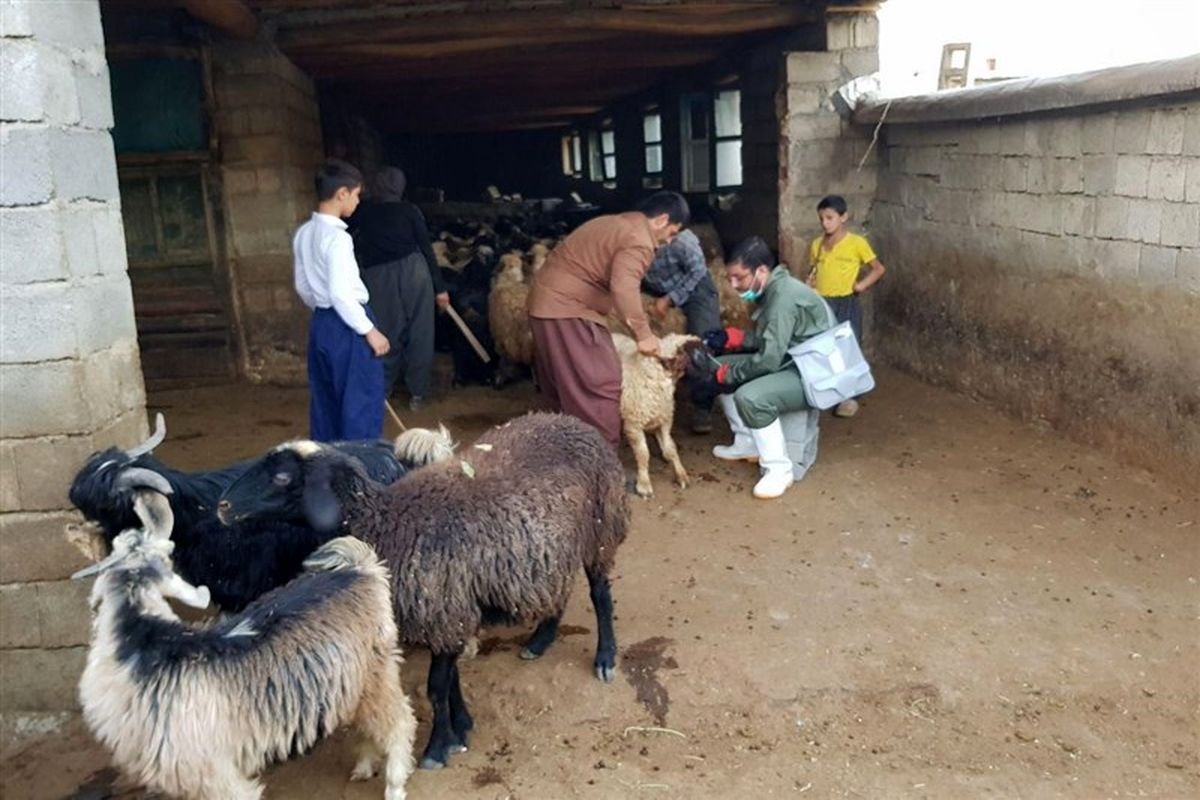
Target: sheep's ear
{"points": [[321, 507], [154, 510]]}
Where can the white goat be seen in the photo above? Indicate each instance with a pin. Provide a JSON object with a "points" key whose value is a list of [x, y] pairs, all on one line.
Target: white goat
{"points": [[196, 712], [648, 400]]}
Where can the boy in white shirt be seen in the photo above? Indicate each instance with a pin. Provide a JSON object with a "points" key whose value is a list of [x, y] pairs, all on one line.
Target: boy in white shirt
{"points": [[345, 375]]}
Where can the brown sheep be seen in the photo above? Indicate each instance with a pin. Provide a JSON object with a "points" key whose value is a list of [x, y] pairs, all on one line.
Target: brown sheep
{"points": [[508, 317]]}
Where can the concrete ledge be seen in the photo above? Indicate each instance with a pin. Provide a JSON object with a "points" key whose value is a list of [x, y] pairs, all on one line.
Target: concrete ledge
{"points": [[1030, 95]]}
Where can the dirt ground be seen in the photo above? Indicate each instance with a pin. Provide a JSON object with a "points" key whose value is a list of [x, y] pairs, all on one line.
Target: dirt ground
{"points": [[951, 604]]}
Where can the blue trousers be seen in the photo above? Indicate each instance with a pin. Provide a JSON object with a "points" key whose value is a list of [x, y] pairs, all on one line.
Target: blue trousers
{"points": [[345, 381]]}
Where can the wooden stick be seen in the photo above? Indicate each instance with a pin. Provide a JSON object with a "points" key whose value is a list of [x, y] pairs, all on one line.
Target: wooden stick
{"points": [[462, 326], [395, 416]]}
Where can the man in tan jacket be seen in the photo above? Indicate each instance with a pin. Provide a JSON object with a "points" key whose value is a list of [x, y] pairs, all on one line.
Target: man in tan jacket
{"points": [[598, 266]]}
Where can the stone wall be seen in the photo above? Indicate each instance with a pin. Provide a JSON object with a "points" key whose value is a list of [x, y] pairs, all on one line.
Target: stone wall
{"points": [[821, 152], [70, 376], [1049, 261], [270, 139]]}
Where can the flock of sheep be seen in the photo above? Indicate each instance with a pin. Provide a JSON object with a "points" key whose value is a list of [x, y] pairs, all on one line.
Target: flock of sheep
{"points": [[327, 569], [322, 560]]}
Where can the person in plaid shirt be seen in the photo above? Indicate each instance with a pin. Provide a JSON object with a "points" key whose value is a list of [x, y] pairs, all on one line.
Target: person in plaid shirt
{"points": [[679, 277]]}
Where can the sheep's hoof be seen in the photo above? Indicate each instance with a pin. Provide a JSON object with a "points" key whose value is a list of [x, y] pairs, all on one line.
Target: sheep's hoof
{"points": [[645, 489], [529, 655], [606, 672], [364, 770], [456, 748]]}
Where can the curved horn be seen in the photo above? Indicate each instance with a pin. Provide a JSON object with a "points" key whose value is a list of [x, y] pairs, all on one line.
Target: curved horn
{"points": [[160, 433], [154, 510], [99, 566], [142, 478]]}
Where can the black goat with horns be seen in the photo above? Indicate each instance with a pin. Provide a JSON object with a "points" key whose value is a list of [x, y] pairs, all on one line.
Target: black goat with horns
{"points": [[237, 564]]}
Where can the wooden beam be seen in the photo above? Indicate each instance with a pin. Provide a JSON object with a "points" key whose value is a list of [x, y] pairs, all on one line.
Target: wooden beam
{"points": [[677, 21], [231, 17]]}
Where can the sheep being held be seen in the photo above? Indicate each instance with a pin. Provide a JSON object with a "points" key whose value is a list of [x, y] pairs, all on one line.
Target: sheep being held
{"points": [[496, 536], [198, 712], [648, 400]]}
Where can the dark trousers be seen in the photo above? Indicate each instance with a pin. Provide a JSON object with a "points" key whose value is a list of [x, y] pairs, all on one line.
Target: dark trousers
{"points": [[402, 299], [578, 372], [345, 381], [848, 309], [703, 312]]}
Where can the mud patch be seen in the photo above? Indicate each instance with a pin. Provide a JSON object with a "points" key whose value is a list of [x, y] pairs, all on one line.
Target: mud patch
{"points": [[641, 662], [488, 776]]}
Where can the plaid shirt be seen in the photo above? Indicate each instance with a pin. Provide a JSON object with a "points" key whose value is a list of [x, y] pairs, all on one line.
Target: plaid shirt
{"points": [[677, 269]]}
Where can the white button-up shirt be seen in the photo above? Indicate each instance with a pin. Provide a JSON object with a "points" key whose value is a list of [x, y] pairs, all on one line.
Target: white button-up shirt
{"points": [[326, 272]]}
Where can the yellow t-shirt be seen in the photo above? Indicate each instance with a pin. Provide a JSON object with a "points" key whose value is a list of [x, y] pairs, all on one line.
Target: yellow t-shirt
{"points": [[838, 268]]}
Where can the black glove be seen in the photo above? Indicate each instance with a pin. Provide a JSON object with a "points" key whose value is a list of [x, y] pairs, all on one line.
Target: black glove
{"points": [[701, 365], [715, 340]]}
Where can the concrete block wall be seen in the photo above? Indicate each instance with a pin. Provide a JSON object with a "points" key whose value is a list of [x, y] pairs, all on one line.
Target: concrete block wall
{"points": [[819, 152], [1050, 262], [270, 133], [70, 374]]}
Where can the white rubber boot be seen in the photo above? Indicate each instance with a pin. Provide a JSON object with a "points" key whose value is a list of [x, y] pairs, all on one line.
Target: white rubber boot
{"points": [[743, 448], [774, 461]]}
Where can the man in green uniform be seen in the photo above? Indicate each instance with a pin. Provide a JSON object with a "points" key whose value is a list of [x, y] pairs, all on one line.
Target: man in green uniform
{"points": [[757, 377]]}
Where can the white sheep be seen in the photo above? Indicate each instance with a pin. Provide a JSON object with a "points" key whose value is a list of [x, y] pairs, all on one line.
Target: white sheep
{"points": [[508, 317], [196, 712], [648, 400]]}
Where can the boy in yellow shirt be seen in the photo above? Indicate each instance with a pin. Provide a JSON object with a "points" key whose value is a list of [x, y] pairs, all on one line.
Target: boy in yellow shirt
{"points": [[837, 259]]}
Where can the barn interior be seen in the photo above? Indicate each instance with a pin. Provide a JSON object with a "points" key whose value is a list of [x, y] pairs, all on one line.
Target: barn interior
{"points": [[221, 110]]}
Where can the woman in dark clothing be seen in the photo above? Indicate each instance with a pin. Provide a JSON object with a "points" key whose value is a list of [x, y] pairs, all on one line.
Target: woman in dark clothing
{"points": [[391, 243]]}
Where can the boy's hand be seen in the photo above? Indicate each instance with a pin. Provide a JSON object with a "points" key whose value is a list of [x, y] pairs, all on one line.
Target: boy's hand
{"points": [[378, 343], [811, 280], [648, 347], [442, 300], [661, 306]]}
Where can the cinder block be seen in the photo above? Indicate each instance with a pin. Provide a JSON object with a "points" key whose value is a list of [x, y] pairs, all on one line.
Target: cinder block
{"points": [[19, 625], [1156, 266], [865, 30], [1112, 217], [1133, 175], [26, 163], [983, 138], [41, 680], [270, 181], [31, 245], [1039, 138], [14, 19], [10, 492], [805, 101], [1065, 137], [110, 244], [63, 614], [1166, 131], [73, 25], [1098, 133], [1079, 216], [1180, 224], [95, 95], [1191, 187], [45, 468], [111, 383], [1099, 174], [1116, 260], [1037, 176], [1013, 171], [1146, 219], [38, 83], [34, 547], [85, 166], [1167, 179], [1191, 133], [813, 67], [860, 61], [1066, 175], [923, 161], [239, 180], [1012, 138], [1132, 132], [1187, 270], [37, 323], [42, 398], [104, 313]]}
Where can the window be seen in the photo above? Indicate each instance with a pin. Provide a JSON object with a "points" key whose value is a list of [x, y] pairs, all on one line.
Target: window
{"points": [[727, 111], [595, 157], [652, 140], [608, 148], [572, 157], [695, 114]]}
